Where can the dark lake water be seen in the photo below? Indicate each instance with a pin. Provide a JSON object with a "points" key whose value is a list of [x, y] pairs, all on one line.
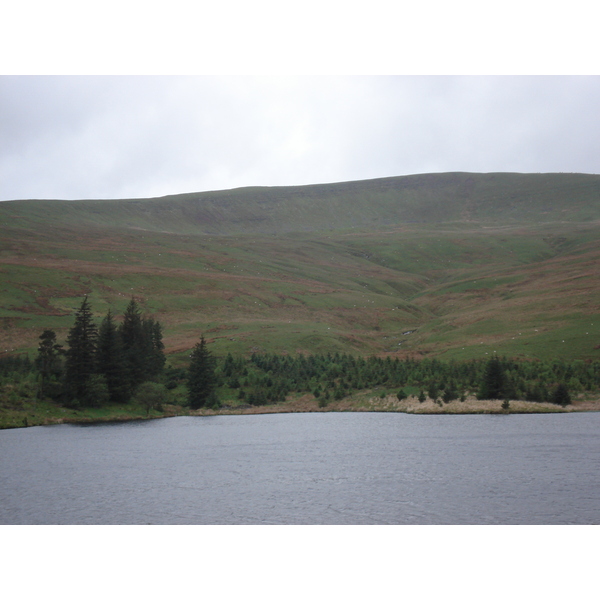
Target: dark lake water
{"points": [[322, 468]]}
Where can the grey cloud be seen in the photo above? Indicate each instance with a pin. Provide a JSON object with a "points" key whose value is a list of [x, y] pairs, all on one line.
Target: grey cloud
{"points": [[115, 137]]}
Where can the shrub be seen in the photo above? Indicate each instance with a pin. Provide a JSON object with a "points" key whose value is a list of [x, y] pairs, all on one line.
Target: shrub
{"points": [[449, 395], [96, 392], [150, 395], [561, 395], [492, 385], [213, 401], [433, 392]]}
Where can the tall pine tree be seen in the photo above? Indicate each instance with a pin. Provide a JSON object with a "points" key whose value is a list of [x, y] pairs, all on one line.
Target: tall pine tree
{"points": [[492, 385], [135, 352], [110, 360], [143, 348], [80, 364], [201, 375], [154, 347], [49, 364]]}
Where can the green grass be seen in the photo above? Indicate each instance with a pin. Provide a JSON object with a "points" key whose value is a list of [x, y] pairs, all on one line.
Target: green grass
{"points": [[468, 261], [478, 284], [19, 407]]}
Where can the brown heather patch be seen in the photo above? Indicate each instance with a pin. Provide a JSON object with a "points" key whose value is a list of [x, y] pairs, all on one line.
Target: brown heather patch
{"points": [[472, 405], [83, 267], [19, 338]]}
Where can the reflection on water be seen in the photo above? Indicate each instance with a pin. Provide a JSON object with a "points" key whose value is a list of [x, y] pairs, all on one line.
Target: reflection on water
{"points": [[325, 468]]}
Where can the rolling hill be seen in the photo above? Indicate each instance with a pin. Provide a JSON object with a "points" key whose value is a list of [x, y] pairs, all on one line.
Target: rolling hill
{"points": [[454, 265]]}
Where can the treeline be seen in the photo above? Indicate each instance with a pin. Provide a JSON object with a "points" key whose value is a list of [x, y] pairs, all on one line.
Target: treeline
{"points": [[15, 364], [115, 362], [123, 360], [268, 378], [100, 365]]}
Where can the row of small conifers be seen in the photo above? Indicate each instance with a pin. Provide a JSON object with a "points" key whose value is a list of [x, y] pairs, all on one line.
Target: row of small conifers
{"points": [[122, 360]]}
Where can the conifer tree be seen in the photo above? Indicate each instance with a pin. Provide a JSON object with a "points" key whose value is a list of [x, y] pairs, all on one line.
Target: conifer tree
{"points": [[48, 363], [201, 375], [561, 395], [110, 360], [81, 357], [153, 347], [492, 385], [449, 394], [143, 348], [133, 341], [433, 391]]}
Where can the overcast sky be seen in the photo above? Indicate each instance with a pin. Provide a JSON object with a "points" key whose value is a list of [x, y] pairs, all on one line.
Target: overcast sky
{"points": [[73, 137]]}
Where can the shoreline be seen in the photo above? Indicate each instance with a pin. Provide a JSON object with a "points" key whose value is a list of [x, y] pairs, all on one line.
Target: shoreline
{"points": [[410, 405], [308, 404]]}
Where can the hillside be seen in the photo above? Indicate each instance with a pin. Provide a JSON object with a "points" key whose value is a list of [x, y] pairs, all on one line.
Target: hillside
{"points": [[467, 263], [433, 198]]}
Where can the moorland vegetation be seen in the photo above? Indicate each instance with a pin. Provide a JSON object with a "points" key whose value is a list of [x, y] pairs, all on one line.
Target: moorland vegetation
{"points": [[110, 365], [441, 272]]}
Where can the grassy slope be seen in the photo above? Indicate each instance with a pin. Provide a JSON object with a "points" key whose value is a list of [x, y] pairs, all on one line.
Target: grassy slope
{"points": [[432, 198], [469, 263]]}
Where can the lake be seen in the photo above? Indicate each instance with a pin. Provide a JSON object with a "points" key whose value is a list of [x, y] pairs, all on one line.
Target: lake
{"points": [[306, 468]]}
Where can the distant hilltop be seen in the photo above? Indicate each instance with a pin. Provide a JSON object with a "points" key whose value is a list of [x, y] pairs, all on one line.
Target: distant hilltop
{"points": [[369, 204]]}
